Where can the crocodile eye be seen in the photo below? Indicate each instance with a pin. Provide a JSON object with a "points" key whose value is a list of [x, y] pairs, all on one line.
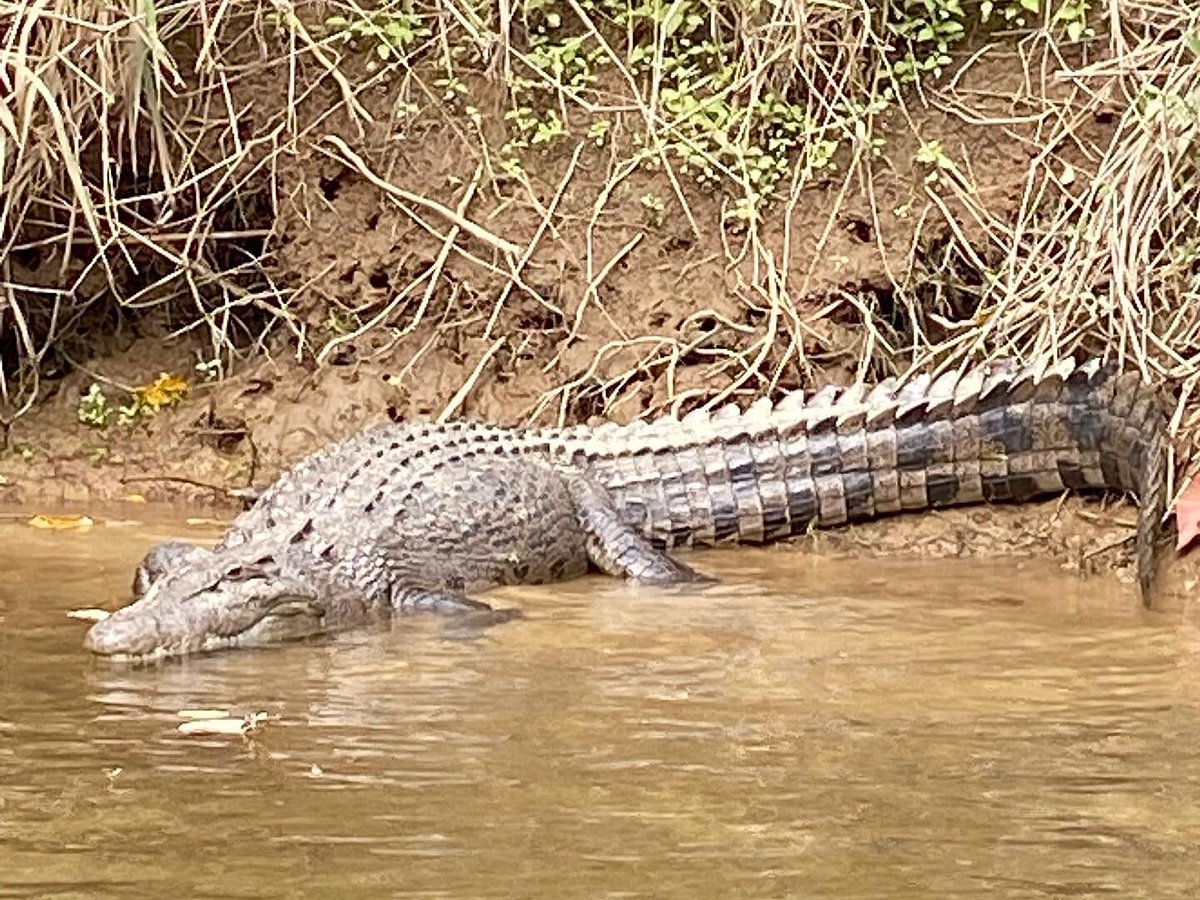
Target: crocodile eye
{"points": [[242, 573]]}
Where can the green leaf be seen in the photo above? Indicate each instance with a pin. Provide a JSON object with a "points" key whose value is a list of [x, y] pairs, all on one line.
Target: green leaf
{"points": [[675, 17]]}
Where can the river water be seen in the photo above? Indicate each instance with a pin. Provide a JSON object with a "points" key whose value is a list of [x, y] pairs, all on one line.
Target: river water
{"points": [[807, 728]]}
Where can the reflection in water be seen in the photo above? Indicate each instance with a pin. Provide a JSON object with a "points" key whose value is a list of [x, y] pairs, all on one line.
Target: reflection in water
{"points": [[806, 727]]}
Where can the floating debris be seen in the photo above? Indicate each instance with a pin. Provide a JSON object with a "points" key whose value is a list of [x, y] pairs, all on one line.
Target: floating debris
{"points": [[225, 725], [89, 614], [204, 714]]}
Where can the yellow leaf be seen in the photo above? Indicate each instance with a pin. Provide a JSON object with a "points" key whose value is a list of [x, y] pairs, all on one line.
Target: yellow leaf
{"points": [[166, 390], [61, 523], [134, 498]]}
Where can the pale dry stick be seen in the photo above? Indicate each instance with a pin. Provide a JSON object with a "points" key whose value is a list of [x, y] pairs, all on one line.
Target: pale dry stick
{"points": [[867, 316], [616, 391], [409, 366], [593, 291], [225, 190], [1020, 257], [867, 179], [96, 376], [694, 318], [382, 316], [830, 224], [794, 332], [470, 257], [539, 232], [279, 311], [765, 343], [26, 338], [232, 115], [1103, 240], [779, 299], [624, 170], [431, 276], [161, 65], [563, 391], [732, 260], [74, 173], [676, 409], [647, 115], [209, 28], [349, 100], [476, 231], [1179, 336], [1125, 281], [461, 395], [995, 321], [963, 195], [477, 29], [688, 267], [216, 320], [1116, 235]]}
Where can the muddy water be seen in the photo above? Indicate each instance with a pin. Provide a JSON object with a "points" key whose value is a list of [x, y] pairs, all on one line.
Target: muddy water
{"points": [[808, 728]]}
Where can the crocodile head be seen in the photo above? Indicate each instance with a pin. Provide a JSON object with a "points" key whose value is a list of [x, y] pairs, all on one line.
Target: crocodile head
{"points": [[209, 608]]}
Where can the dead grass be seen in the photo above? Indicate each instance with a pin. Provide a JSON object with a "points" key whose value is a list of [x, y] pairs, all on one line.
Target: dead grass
{"points": [[140, 170]]}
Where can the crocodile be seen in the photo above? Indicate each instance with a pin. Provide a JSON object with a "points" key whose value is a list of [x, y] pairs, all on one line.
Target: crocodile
{"points": [[405, 517]]}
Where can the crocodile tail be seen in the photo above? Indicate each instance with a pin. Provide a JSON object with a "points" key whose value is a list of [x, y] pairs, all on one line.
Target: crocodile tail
{"points": [[1152, 498], [1132, 444]]}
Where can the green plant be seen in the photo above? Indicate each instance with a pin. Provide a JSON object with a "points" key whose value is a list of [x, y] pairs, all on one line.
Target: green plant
{"points": [[933, 155], [94, 408], [391, 32], [209, 370], [1073, 16], [97, 411], [654, 207], [927, 30], [1012, 12]]}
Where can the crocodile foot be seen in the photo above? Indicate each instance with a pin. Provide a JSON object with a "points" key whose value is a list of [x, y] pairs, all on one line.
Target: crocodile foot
{"points": [[616, 548]]}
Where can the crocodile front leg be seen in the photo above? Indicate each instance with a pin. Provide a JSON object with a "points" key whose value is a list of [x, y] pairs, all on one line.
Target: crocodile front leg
{"points": [[450, 602], [616, 548]]}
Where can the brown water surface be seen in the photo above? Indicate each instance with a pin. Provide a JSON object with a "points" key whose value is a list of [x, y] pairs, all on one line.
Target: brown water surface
{"points": [[808, 727]]}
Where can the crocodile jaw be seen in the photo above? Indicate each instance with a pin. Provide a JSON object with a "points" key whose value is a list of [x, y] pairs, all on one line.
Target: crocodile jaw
{"points": [[166, 623]]}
